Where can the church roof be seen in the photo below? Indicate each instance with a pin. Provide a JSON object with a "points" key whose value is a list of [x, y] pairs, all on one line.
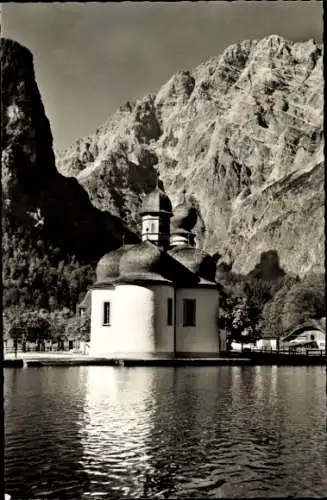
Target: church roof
{"points": [[196, 260], [142, 262], [145, 261], [156, 202], [108, 266]]}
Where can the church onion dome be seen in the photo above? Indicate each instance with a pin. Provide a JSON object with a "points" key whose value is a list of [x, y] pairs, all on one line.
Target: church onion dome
{"points": [[156, 202], [197, 261], [184, 219], [108, 266], [146, 262], [142, 261]]}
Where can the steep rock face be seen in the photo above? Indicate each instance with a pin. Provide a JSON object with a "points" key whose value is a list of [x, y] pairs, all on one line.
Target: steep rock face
{"points": [[243, 134], [34, 193]]}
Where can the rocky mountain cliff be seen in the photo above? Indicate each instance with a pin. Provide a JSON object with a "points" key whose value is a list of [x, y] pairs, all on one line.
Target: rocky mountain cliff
{"points": [[34, 193], [243, 134]]}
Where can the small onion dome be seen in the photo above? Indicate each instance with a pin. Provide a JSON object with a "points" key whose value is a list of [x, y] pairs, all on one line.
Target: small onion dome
{"points": [[197, 261], [142, 261], [184, 219], [108, 266], [156, 202]]}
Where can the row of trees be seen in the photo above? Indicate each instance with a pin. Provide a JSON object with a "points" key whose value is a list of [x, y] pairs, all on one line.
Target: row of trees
{"points": [[33, 326], [38, 275], [259, 307], [293, 303], [42, 285]]}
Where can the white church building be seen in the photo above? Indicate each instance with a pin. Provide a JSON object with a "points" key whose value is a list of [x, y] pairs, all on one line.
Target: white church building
{"points": [[158, 297]]}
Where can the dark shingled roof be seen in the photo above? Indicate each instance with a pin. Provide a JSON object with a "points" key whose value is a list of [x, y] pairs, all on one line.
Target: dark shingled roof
{"points": [[141, 258], [108, 266], [196, 260], [146, 260], [155, 202]]}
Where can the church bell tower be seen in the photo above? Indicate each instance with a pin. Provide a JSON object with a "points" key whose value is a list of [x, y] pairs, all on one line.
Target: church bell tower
{"points": [[156, 212]]}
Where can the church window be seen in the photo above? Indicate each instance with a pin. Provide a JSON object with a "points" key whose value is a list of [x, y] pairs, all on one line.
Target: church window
{"points": [[106, 313], [169, 312], [189, 312]]}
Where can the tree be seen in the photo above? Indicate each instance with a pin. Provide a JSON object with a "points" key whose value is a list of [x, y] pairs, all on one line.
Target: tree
{"points": [[304, 300], [53, 303], [79, 327], [270, 322], [58, 321], [283, 304], [259, 290], [238, 316], [31, 327]]}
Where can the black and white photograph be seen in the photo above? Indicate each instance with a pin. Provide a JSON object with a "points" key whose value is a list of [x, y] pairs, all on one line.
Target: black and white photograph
{"points": [[163, 250]]}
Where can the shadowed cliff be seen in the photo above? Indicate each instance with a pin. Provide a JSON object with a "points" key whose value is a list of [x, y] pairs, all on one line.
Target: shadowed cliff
{"points": [[34, 193]]}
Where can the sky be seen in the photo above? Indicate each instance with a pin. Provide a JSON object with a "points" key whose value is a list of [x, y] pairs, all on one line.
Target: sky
{"points": [[90, 58]]}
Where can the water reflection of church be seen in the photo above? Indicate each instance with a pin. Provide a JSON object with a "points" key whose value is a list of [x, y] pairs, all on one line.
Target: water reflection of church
{"points": [[142, 425], [158, 296]]}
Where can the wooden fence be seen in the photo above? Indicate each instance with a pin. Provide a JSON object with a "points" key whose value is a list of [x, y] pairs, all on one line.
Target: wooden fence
{"points": [[9, 348], [290, 351]]}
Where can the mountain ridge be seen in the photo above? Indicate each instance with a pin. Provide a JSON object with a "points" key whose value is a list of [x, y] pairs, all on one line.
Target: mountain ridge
{"points": [[234, 132], [31, 185]]}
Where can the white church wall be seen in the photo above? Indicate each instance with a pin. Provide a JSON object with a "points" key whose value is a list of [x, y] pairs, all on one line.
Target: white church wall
{"points": [[138, 321], [101, 335], [203, 337], [164, 338], [133, 319]]}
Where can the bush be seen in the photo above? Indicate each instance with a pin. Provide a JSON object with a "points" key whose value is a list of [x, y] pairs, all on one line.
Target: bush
{"points": [[303, 301], [255, 302], [79, 328]]}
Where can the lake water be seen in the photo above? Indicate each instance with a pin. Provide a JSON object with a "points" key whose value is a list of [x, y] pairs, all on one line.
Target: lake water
{"points": [[210, 432]]}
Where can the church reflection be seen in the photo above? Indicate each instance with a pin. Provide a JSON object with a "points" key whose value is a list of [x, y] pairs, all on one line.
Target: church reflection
{"points": [[163, 432], [147, 429], [117, 424], [180, 432]]}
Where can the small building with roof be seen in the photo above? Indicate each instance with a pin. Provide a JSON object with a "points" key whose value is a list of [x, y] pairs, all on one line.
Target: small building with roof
{"points": [[84, 307], [311, 335], [159, 296]]}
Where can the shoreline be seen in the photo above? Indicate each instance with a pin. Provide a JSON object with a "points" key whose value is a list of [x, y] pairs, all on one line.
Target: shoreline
{"points": [[75, 359]]}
